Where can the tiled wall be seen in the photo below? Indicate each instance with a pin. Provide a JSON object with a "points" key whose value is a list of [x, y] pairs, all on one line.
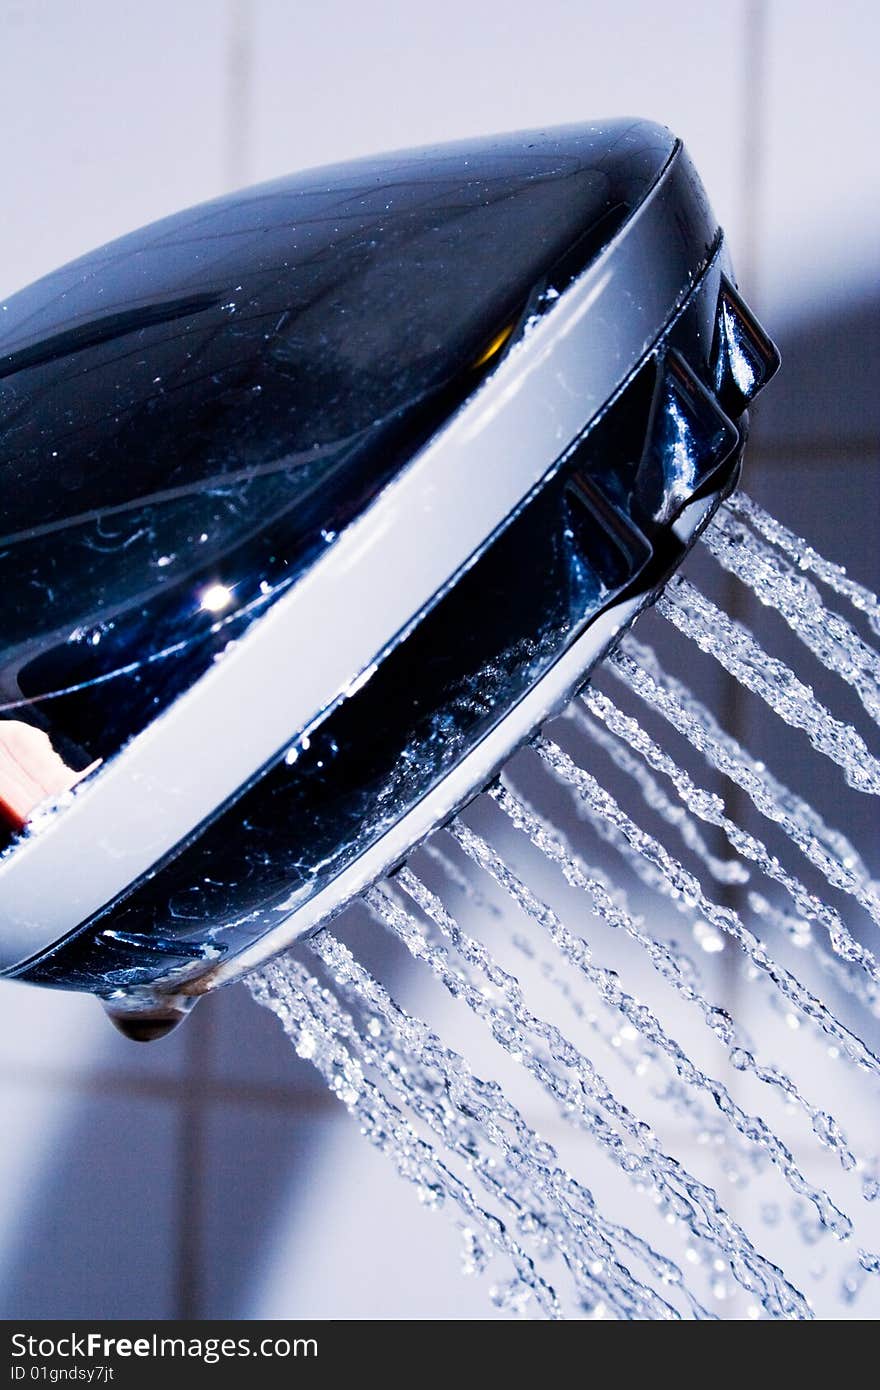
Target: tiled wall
{"points": [[210, 1175]]}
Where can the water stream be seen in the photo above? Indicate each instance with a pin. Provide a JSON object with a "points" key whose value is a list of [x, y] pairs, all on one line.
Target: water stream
{"points": [[623, 1124]]}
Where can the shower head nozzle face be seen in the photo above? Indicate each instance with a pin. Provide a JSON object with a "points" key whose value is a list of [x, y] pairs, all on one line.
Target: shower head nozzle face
{"points": [[321, 497]]}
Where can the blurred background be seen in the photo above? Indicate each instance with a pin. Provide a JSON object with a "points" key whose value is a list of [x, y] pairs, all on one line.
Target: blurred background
{"points": [[211, 1175]]}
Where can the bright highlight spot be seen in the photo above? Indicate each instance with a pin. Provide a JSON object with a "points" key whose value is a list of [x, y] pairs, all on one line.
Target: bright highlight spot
{"points": [[216, 598]]}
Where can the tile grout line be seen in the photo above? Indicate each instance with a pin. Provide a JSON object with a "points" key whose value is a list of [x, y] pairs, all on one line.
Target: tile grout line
{"points": [[736, 600], [857, 449], [239, 94], [754, 101], [215, 1091], [191, 1117]]}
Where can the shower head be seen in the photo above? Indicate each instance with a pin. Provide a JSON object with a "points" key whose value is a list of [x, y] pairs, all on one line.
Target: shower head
{"points": [[318, 499]]}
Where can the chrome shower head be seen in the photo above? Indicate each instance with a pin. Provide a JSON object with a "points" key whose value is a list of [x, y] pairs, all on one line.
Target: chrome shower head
{"points": [[318, 499]]}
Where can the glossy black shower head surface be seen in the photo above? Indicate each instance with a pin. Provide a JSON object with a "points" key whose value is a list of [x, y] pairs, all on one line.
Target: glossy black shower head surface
{"points": [[317, 500]]}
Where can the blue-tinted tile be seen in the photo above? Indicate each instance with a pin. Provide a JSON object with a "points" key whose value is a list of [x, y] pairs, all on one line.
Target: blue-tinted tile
{"points": [[114, 125], [308, 1220], [248, 1046], [91, 1229], [48, 1033]]}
